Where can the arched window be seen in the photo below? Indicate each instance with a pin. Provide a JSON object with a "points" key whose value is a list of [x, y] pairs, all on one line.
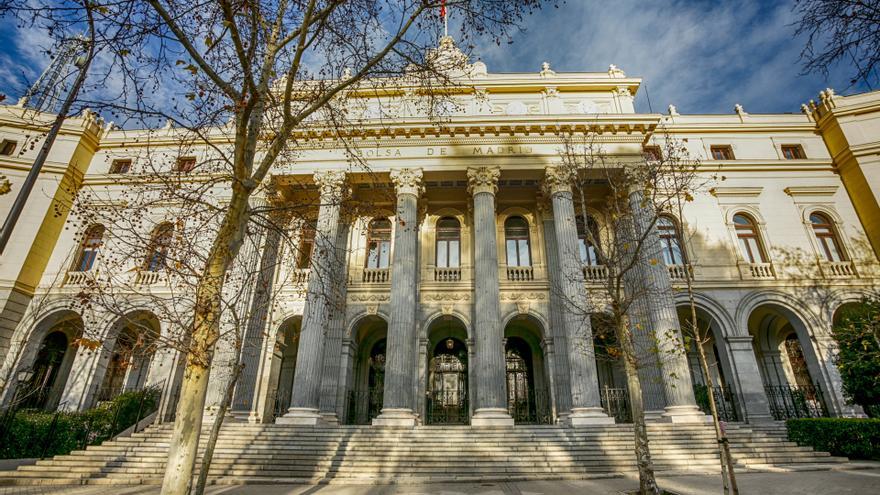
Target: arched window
{"points": [[88, 251], [157, 255], [379, 243], [448, 243], [306, 246], [749, 241], [826, 236], [585, 247], [670, 241], [516, 235]]}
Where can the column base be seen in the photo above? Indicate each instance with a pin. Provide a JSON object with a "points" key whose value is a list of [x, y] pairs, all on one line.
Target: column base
{"points": [[685, 414], [329, 418], [654, 415], [491, 417], [397, 418], [300, 416], [589, 416], [562, 418]]}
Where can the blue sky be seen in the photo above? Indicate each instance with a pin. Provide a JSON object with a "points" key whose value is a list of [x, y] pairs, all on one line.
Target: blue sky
{"points": [[703, 56]]}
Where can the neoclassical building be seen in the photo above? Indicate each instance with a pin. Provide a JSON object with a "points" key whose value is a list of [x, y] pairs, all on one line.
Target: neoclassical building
{"points": [[454, 291]]}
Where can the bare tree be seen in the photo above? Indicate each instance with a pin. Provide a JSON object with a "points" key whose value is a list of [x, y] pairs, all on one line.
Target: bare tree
{"points": [[840, 31], [251, 82], [621, 251]]}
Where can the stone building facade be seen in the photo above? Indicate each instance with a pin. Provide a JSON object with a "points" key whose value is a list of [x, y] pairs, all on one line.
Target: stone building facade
{"points": [[448, 304]]}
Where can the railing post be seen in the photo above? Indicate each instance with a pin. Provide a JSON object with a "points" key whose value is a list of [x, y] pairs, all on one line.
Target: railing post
{"points": [[49, 435]]}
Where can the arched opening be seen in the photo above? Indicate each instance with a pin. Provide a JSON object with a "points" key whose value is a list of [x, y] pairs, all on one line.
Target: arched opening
{"points": [[284, 363], [366, 395], [447, 387], [727, 402], [91, 243], [517, 242], [826, 237], [528, 393], [128, 363], [788, 364], [750, 245], [46, 377], [612, 377]]}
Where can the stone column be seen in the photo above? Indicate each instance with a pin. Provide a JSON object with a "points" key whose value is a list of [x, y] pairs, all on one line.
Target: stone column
{"points": [[586, 408], [400, 366], [656, 292], [747, 376], [307, 381], [490, 404], [559, 370], [333, 344]]}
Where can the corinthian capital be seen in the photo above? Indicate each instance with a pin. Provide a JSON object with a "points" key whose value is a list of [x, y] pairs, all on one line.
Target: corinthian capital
{"points": [[483, 179], [331, 183], [407, 180], [557, 180]]}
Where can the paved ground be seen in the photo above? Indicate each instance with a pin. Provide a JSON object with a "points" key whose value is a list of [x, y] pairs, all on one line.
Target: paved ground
{"points": [[859, 482]]}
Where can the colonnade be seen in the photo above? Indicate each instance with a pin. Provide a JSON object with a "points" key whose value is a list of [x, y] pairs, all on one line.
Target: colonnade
{"points": [[490, 396]]}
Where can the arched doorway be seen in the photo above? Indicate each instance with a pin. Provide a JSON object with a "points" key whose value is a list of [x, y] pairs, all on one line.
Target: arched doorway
{"points": [[789, 367], [727, 402], [284, 363], [613, 393], [132, 352], [528, 395], [365, 397], [447, 374], [52, 360]]}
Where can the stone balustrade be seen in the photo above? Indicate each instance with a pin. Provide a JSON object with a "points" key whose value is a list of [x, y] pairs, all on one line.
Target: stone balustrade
{"points": [[595, 273], [376, 276], [520, 273], [447, 274], [837, 269]]}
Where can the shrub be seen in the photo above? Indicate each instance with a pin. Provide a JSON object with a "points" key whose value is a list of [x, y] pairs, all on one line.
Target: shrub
{"points": [[34, 433], [858, 338], [851, 437]]}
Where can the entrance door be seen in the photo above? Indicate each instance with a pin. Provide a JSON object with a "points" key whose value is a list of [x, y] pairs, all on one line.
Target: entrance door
{"points": [[447, 384]]}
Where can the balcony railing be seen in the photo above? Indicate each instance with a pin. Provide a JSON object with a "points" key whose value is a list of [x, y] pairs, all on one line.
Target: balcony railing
{"points": [[761, 270], [376, 275], [300, 276], [447, 274], [595, 273], [837, 269], [79, 278], [520, 273], [680, 272], [145, 277]]}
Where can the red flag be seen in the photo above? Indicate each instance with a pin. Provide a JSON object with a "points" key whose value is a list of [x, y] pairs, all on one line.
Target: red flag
{"points": [[443, 9]]}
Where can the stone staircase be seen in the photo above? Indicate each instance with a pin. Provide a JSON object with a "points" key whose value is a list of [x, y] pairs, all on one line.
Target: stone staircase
{"points": [[251, 453]]}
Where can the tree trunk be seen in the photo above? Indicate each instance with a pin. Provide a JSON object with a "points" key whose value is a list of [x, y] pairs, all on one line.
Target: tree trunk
{"points": [[208, 456], [647, 481], [191, 406]]}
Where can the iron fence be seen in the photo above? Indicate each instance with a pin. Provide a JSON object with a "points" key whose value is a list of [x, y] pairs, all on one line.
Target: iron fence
{"points": [[531, 409], [448, 407], [725, 402], [362, 407], [615, 403], [787, 402]]}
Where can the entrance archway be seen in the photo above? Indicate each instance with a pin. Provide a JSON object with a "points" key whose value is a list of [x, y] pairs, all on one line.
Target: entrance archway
{"points": [[727, 401], [789, 366], [130, 355], [364, 400], [51, 362], [447, 388], [528, 393], [284, 363]]}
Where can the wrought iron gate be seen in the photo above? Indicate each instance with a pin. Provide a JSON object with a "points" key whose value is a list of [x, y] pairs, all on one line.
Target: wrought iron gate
{"points": [[447, 401]]}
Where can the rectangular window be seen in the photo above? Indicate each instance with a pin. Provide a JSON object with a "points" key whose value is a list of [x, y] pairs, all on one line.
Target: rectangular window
{"points": [[651, 153], [722, 152], [793, 152], [186, 164], [7, 147], [120, 166]]}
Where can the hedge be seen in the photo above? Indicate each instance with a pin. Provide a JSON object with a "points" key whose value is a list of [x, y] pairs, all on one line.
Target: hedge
{"points": [[851, 437], [34, 433]]}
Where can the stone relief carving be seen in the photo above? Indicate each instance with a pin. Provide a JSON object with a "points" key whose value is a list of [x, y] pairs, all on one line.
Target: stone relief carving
{"points": [[446, 297], [369, 297], [516, 108], [522, 296]]}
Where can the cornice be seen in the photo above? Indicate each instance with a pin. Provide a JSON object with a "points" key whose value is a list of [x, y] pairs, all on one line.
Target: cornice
{"points": [[811, 190]]}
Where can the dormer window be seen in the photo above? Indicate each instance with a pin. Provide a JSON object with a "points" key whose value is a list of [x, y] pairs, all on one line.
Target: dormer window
{"points": [[722, 152]]}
